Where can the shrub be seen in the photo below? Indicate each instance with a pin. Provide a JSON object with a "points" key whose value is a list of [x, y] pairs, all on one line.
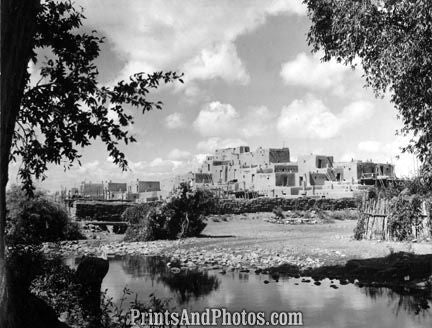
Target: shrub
{"points": [[420, 185], [324, 216], [360, 230], [57, 286], [181, 216], [24, 263], [188, 209], [73, 231], [405, 214], [151, 227], [37, 220], [135, 214], [278, 212]]}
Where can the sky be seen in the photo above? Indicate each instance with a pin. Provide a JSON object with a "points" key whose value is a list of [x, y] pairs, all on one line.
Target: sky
{"points": [[250, 79]]}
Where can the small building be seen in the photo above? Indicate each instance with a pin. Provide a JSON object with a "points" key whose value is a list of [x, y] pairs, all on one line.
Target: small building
{"points": [[115, 190], [92, 190], [144, 191], [366, 173]]}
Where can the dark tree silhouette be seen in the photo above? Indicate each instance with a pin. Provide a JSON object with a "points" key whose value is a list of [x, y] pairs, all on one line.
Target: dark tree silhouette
{"points": [[50, 120]]}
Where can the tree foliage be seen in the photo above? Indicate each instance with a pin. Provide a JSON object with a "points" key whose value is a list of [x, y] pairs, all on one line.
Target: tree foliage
{"points": [[393, 40], [404, 217], [67, 108], [183, 215], [189, 208], [36, 220]]}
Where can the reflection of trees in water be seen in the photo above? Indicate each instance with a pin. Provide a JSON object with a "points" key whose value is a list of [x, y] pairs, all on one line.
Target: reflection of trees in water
{"points": [[190, 283], [186, 283], [243, 276], [414, 302], [141, 266]]}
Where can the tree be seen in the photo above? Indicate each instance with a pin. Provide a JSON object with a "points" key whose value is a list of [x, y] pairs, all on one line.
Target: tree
{"points": [[393, 41], [48, 122]]}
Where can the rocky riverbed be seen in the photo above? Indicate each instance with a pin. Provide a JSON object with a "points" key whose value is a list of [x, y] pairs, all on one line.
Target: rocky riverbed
{"points": [[186, 255]]}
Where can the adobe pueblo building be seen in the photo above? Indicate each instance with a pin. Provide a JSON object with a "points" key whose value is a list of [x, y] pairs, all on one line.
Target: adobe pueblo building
{"points": [[138, 191], [270, 172]]}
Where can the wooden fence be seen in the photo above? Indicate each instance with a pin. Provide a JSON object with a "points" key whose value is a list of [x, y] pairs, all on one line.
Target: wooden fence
{"points": [[376, 213]]}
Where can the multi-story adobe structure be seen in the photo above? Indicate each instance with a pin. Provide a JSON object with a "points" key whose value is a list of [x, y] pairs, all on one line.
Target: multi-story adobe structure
{"points": [[240, 164], [269, 172]]}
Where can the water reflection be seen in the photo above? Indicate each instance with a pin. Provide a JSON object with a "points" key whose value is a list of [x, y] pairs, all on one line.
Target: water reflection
{"points": [[189, 284], [185, 283], [322, 306], [412, 301]]}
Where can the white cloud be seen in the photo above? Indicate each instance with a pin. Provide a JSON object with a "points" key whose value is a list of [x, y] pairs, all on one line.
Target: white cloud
{"points": [[223, 120], [174, 121], [219, 61], [312, 119], [211, 144], [370, 146], [195, 35], [358, 111], [256, 122], [216, 119], [308, 119], [308, 71], [177, 154]]}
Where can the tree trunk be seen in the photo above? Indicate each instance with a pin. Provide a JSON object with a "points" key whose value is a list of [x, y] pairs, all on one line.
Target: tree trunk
{"points": [[18, 25]]}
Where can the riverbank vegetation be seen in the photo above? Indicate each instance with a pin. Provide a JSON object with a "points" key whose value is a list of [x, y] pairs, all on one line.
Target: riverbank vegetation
{"points": [[182, 215], [403, 212], [34, 220]]}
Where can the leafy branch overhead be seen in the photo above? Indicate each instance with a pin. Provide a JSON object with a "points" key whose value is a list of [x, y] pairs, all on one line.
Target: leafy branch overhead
{"points": [[393, 40], [67, 108]]}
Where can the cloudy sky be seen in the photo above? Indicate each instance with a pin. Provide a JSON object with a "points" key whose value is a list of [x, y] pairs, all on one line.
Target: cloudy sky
{"points": [[250, 79]]}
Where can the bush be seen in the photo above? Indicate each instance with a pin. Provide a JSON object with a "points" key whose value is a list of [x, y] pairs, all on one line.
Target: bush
{"points": [[187, 211], [57, 286], [151, 227], [181, 216], [359, 230], [73, 231], [135, 214], [278, 212], [37, 220], [405, 214], [420, 185]]}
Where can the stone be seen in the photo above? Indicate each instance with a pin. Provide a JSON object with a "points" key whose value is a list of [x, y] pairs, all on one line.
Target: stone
{"points": [[175, 270]]}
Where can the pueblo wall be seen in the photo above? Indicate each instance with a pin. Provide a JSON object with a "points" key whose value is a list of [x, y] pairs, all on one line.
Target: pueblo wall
{"points": [[112, 211], [264, 204]]}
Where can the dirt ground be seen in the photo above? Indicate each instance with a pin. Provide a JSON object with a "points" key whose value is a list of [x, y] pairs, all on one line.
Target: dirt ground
{"points": [[331, 242]]}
